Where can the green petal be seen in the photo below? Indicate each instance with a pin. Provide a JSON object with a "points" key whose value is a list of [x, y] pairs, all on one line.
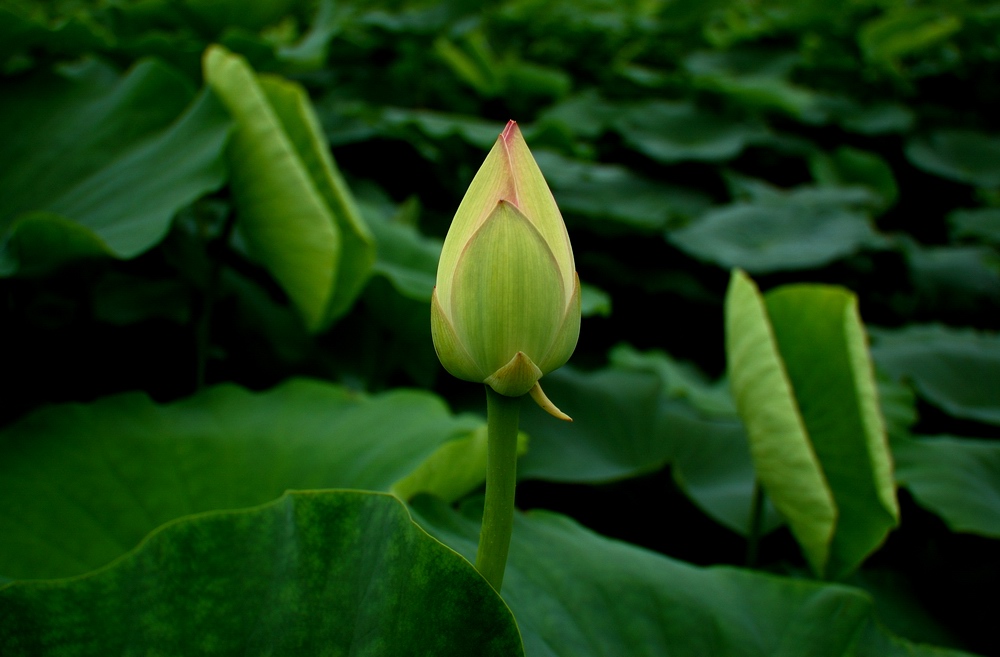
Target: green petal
{"points": [[491, 184], [534, 200], [450, 351], [507, 294], [567, 335], [510, 174]]}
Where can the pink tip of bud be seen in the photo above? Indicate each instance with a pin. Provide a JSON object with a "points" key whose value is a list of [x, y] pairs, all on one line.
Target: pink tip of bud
{"points": [[508, 131]]}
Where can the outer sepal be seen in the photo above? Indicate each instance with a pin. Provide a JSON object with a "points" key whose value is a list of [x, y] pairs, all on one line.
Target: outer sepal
{"points": [[567, 335], [516, 378], [450, 350], [507, 294]]}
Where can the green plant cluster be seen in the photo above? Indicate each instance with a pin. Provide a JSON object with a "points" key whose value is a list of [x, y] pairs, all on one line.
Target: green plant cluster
{"points": [[225, 430]]}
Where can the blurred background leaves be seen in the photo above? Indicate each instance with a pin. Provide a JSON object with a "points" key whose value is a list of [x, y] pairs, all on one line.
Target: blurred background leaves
{"points": [[148, 270]]}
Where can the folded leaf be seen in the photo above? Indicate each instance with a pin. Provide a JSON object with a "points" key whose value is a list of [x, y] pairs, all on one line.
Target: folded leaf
{"points": [[804, 386], [293, 208]]}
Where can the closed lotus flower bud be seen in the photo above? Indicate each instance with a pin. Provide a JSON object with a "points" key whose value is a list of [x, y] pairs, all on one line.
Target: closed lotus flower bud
{"points": [[506, 308]]}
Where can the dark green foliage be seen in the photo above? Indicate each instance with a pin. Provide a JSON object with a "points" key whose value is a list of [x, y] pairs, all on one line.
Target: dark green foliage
{"points": [[177, 252]]}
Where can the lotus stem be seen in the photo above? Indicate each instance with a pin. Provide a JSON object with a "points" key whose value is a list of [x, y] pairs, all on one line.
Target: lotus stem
{"points": [[502, 414]]}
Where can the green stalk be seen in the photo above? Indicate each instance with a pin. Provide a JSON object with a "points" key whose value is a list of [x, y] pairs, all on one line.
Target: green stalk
{"points": [[502, 415]]}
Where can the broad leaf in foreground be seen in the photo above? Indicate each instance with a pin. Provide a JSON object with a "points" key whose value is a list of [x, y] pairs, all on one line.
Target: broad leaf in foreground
{"points": [[575, 593], [804, 386], [82, 484], [311, 573]]}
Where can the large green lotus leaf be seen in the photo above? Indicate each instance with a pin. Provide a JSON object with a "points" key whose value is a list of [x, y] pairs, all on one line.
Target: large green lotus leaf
{"points": [[904, 31], [575, 593], [219, 14], [615, 196], [784, 231], [955, 369], [615, 433], [584, 114], [293, 208], [823, 348], [406, 258], [99, 164], [82, 484], [672, 132], [852, 166], [962, 278], [956, 478], [962, 155], [456, 469], [335, 572], [711, 458], [635, 420], [755, 79], [877, 119], [982, 224], [26, 27], [350, 121]]}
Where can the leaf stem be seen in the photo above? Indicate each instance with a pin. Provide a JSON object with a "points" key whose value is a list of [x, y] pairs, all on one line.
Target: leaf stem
{"points": [[502, 415], [756, 524]]}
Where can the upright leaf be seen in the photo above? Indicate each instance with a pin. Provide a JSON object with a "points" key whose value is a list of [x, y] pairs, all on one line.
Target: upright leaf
{"points": [[786, 463], [805, 388], [291, 104], [822, 344], [294, 209]]}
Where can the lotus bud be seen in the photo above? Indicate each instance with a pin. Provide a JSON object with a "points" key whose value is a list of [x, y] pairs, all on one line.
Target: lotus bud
{"points": [[506, 307]]}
